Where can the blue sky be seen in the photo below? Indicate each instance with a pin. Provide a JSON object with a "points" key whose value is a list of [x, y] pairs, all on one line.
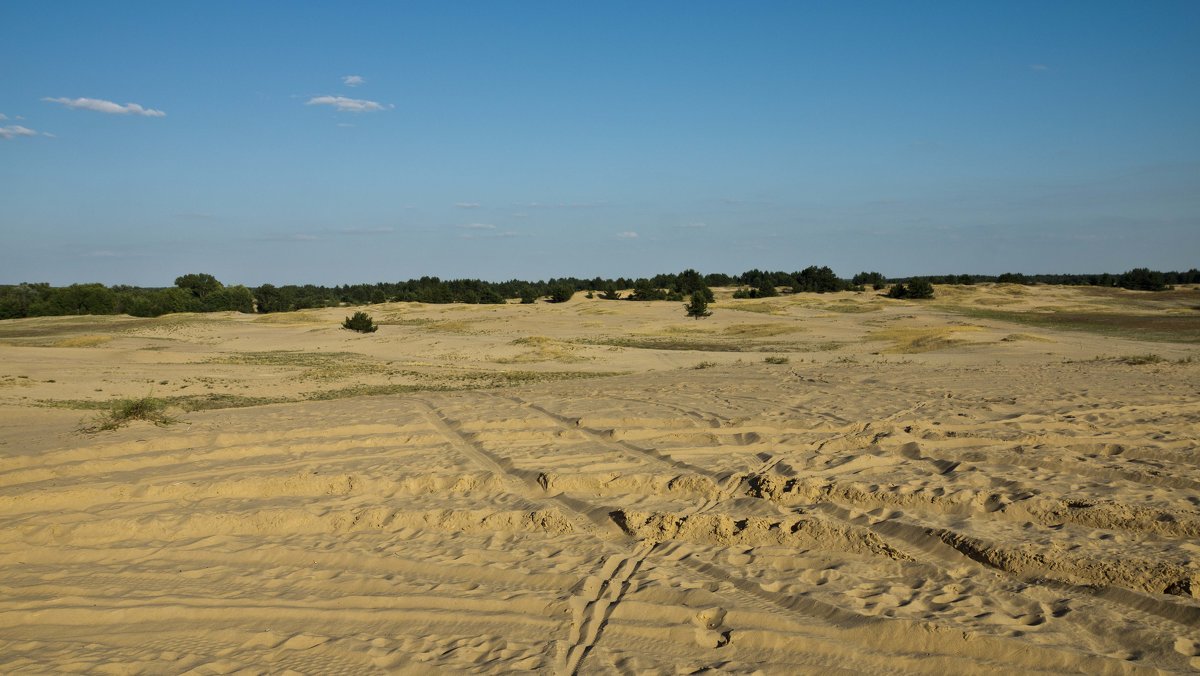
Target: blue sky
{"points": [[362, 142]]}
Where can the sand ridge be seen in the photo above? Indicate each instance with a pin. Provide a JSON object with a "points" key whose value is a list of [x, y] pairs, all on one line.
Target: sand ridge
{"points": [[905, 488]]}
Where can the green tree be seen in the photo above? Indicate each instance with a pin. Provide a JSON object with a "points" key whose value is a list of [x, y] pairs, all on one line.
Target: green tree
{"points": [[360, 322], [698, 308], [1142, 279], [920, 288], [236, 298], [875, 279], [561, 292], [199, 284]]}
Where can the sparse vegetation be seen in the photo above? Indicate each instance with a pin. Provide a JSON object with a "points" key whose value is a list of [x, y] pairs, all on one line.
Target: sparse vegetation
{"points": [[360, 322], [915, 289], [124, 411], [704, 365], [1140, 359], [776, 360]]}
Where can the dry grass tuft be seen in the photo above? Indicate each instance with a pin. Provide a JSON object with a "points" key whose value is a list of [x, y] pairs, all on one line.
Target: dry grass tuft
{"points": [[124, 411], [912, 340]]}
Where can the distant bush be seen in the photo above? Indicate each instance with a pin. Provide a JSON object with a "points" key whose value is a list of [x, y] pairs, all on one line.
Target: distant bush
{"points": [[360, 322], [775, 360], [561, 293], [644, 289], [915, 289], [875, 279]]}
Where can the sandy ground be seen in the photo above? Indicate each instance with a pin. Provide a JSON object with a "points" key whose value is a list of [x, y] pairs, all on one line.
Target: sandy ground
{"points": [[807, 484]]}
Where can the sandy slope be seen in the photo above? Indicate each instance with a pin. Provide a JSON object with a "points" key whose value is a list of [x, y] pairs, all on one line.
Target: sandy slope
{"points": [[472, 489]]}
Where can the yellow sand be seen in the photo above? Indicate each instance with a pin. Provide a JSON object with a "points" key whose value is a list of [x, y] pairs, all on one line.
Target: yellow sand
{"points": [[557, 488]]}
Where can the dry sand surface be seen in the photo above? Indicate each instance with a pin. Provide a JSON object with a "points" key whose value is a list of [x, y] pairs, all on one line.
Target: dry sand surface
{"points": [[1003, 479]]}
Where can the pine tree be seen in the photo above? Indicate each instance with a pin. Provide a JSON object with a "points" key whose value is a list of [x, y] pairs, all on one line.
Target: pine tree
{"points": [[698, 308]]}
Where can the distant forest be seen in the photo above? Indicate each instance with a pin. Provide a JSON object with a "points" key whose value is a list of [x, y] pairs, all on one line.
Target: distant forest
{"points": [[204, 293]]}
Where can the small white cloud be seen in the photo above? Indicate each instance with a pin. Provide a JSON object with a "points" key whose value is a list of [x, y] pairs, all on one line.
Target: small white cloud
{"points": [[628, 234], [1038, 66], [48, 135], [3, 117], [467, 205], [347, 105], [693, 226], [367, 231], [353, 80], [102, 106], [287, 237], [14, 130], [478, 226], [345, 125]]}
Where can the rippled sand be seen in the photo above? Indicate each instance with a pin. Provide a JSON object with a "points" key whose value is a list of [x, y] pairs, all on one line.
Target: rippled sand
{"points": [[808, 484]]}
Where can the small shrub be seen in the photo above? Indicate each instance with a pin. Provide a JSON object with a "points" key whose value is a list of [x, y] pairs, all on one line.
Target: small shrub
{"points": [[360, 322], [705, 365], [916, 288], [776, 360], [1141, 359], [126, 410]]}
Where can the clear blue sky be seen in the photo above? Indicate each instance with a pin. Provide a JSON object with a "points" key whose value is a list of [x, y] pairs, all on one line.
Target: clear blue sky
{"points": [[332, 143]]}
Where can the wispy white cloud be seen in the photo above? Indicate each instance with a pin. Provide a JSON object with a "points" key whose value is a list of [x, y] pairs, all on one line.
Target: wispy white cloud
{"points": [[488, 234], [1038, 66], [287, 237], [12, 131], [102, 106], [353, 80], [693, 226], [3, 117], [628, 234], [478, 226], [467, 205], [348, 105], [367, 231], [345, 125]]}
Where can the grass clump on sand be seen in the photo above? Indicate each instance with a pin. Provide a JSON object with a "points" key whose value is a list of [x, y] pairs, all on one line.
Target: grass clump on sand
{"points": [[1140, 359], [124, 411], [776, 360]]}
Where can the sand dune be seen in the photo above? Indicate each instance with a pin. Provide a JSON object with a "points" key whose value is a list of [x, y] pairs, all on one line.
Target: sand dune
{"points": [[600, 487]]}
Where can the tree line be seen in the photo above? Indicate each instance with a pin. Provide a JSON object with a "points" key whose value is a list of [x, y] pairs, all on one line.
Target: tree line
{"points": [[204, 293]]}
